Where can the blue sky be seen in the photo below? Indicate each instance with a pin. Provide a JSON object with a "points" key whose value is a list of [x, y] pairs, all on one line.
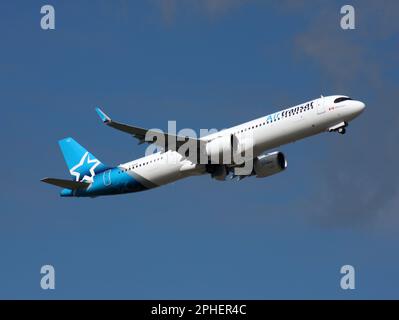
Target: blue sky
{"points": [[205, 64]]}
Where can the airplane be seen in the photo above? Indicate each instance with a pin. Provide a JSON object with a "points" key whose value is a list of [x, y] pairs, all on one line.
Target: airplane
{"points": [[172, 162]]}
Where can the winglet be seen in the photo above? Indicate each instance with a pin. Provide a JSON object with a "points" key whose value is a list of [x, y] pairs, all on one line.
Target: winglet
{"points": [[104, 118]]}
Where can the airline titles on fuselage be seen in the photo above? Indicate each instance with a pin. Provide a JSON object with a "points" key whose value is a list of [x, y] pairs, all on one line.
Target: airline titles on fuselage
{"points": [[289, 112]]}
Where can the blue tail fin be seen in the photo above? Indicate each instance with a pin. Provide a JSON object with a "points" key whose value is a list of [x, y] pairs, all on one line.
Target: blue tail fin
{"points": [[81, 163]]}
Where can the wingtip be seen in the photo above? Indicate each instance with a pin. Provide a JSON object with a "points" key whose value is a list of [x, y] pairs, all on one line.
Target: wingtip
{"points": [[104, 118]]}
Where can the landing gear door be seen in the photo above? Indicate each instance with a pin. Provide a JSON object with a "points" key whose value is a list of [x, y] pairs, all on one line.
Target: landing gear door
{"points": [[320, 106]]}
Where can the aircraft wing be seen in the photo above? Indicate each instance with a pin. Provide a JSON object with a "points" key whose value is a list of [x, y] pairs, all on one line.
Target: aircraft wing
{"points": [[159, 138]]}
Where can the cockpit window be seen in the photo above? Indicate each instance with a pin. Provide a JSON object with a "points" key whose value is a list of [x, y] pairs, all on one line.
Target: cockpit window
{"points": [[340, 99]]}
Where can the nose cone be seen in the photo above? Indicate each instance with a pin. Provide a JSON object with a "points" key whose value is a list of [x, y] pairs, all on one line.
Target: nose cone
{"points": [[358, 106]]}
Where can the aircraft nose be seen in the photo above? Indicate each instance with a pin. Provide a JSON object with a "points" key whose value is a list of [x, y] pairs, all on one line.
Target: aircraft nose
{"points": [[359, 106]]}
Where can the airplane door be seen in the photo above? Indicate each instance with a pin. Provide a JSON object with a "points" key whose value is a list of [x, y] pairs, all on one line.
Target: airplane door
{"points": [[320, 106], [107, 178]]}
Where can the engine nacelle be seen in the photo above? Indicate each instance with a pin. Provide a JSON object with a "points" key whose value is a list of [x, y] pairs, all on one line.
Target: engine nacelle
{"points": [[268, 164]]}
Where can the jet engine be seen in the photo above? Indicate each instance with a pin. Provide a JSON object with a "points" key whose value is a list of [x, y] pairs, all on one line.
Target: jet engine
{"points": [[268, 164]]}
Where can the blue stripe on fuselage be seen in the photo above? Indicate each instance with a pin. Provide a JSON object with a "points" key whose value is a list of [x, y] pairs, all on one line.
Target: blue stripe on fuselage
{"points": [[110, 182]]}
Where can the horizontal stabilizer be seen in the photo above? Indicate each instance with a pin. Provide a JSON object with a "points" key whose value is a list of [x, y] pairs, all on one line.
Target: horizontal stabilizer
{"points": [[67, 184]]}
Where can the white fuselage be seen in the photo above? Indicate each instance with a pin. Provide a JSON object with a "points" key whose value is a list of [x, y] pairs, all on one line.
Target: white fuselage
{"points": [[268, 132]]}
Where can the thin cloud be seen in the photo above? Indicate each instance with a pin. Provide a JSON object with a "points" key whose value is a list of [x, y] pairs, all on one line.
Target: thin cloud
{"points": [[363, 188], [212, 8]]}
